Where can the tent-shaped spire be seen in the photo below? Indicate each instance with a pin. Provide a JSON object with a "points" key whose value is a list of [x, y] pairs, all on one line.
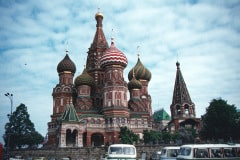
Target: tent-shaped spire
{"points": [[70, 114], [180, 94], [99, 40]]}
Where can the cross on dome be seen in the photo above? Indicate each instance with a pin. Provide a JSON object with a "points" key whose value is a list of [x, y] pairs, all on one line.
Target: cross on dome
{"points": [[138, 51]]}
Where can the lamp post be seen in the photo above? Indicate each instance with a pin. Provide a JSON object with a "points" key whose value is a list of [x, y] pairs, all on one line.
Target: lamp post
{"points": [[10, 96]]}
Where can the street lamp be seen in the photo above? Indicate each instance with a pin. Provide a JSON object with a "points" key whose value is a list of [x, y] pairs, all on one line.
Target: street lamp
{"points": [[10, 96]]}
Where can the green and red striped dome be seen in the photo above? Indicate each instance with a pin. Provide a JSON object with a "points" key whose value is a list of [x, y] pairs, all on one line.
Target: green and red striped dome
{"points": [[140, 72]]}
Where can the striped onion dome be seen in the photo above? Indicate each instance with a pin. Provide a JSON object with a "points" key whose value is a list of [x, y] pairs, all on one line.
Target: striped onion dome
{"points": [[134, 84], [140, 72], [113, 56], [66, 65], [84, 79]]}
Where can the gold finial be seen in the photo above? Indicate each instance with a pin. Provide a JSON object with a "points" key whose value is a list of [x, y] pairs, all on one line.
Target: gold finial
{"points": [[99, 13]]}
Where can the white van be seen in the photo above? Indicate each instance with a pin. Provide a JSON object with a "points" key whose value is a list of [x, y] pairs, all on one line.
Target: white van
{"points": [[122, 151], [170, 152], [209, 151]]}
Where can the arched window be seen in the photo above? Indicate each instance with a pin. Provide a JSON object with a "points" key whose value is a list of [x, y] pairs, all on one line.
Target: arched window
{"points": [[117, 120], [178, 109], [98, 121], [136, 121], [92, 121], [106, 121], [111, 121], [123, 120], [186, 109]]}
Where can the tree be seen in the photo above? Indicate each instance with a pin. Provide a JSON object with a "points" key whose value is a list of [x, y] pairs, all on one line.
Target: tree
{"points": [[20, 131], [127, 136], [167, 137], [187, 135], [156, 137], [220, 121]]}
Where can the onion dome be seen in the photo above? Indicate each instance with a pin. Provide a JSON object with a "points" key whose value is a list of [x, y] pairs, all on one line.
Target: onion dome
{"points": [[134, 84], [84, 79], [141, 72], [66, 65], [113, 56]]}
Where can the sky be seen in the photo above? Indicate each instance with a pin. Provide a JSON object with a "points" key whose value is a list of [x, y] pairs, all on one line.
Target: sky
{"points": [[203, 35]]}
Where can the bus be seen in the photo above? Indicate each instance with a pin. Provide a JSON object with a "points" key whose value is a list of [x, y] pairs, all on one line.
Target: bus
{"points": [[122, 151], [209, 151], [170, 152]]}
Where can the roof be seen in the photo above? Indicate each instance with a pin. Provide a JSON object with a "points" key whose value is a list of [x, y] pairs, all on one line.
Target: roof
{"points": [[161, 115], [180, 94], [140, 72], [99, 40], [70, 114], [113, 56], [84, 79], [66, 64]]}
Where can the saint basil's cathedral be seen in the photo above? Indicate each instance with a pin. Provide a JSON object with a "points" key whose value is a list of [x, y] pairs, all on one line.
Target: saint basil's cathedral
{"points": [[90, 109]]}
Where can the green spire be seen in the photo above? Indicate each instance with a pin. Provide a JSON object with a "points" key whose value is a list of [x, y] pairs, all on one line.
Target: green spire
{"points": [[70, 114]]}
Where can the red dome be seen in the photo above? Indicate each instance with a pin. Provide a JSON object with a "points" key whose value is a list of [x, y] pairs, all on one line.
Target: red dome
{"points": [[113, 56]]}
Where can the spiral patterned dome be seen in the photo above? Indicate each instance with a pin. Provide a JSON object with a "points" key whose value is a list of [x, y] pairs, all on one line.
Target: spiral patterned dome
{"points": [[66, 65], [113, 56], [141, 72], [134, 84], [84, 79]]}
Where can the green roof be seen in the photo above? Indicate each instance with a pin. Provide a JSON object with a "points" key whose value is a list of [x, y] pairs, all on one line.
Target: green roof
{"points": [[161, 115], [70, 114]]}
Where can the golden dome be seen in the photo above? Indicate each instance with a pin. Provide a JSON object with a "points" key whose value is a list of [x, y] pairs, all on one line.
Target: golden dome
{"points": [[98, 14]]}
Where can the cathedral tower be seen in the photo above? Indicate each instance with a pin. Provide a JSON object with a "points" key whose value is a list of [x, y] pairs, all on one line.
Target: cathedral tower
{"points": [[115, 90], [83, 84], [95, 52], [142, 74], [62, 94], [182, 105]]}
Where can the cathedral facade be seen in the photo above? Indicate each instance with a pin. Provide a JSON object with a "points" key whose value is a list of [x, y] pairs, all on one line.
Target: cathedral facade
{"points": [[89, 110]]}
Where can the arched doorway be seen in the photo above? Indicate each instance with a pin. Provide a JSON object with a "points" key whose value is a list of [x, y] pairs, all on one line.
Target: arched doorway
{"points": [[71, 137], [97, 139]]}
